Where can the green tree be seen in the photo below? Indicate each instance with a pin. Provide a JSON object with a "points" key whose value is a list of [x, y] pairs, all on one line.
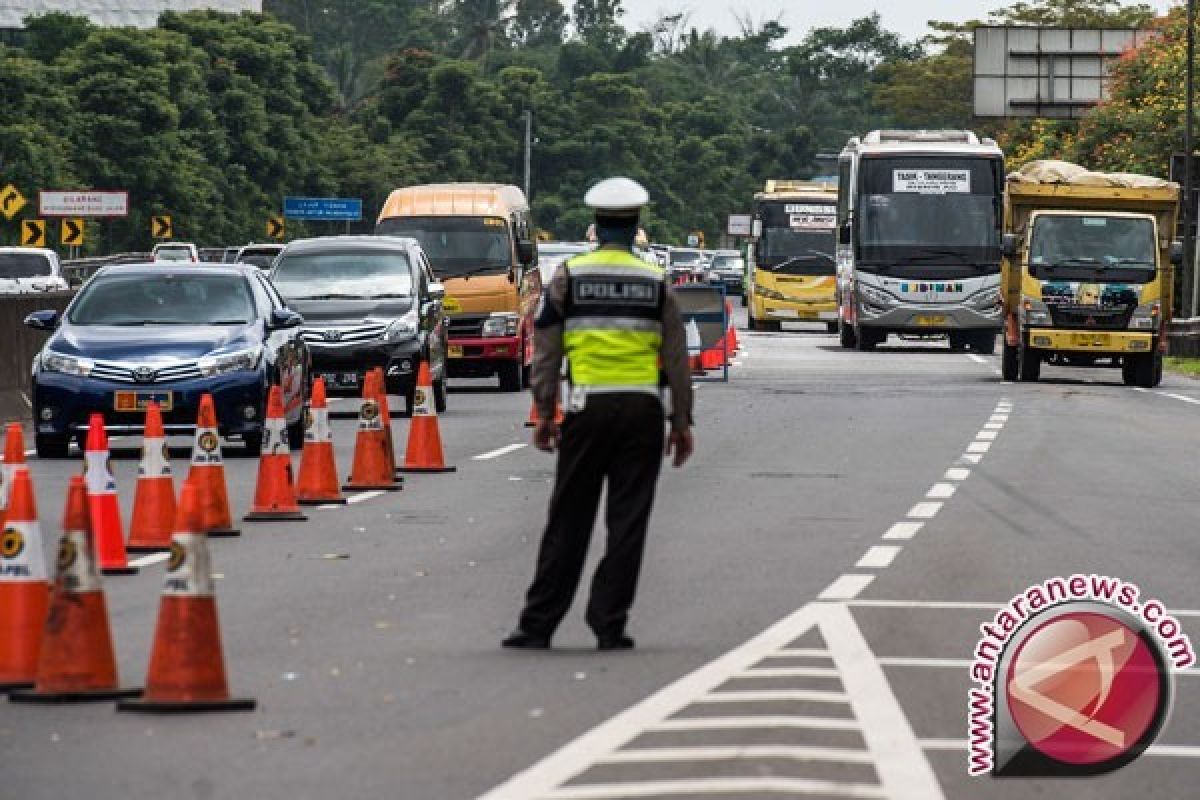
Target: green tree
{"points": [[539, 23], [598, 22]]}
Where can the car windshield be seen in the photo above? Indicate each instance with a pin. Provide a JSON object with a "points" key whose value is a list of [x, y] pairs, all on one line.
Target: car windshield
{"points": [[24, 265], [686, 258], [344, 274], [728, 263], [165, 299], [457, 246]]}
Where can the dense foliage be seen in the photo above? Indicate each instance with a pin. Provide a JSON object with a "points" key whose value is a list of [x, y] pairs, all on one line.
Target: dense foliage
{"points": [[213, 118]]}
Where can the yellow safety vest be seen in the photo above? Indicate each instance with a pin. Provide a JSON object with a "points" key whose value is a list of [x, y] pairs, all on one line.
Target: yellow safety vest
{"points": [[612, 326]]}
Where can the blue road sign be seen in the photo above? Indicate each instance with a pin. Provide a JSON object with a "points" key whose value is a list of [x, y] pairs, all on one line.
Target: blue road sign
{"points": [[329, 208]]}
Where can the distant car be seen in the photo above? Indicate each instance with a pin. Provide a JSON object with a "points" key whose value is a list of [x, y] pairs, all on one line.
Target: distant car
{"points": [[368, 301], [684, 261], [730, 268], [229, 255], [24, 270], [143, 332], [551, 255], [176, 251], [260, 255]]}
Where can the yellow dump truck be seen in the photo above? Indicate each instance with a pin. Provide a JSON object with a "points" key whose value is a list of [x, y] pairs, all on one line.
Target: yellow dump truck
{"points": [[1088, 271]]}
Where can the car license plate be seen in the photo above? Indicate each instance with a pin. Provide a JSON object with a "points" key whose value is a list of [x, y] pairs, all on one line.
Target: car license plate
{"points": [[1091, 340], [135, 402], [929, 321], [347, 380], [455, 351]]}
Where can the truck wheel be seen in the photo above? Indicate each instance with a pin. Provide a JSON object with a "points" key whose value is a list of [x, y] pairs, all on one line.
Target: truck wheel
{"points": [[1008, 362], [510, 376], [958, 341], [1029, 364], [846, 336], [439, 395], [1128, 371], [1147, 371], [867, 339], [831, 327], [984, 343], [48, 446]]}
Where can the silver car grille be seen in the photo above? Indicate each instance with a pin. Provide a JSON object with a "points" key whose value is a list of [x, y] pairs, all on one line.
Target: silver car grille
{"points": [[146, 374], [344, 335]]}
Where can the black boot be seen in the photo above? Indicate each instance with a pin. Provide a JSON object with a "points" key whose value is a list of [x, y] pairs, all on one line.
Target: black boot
{"points": [[614, 642], [523, 640]]}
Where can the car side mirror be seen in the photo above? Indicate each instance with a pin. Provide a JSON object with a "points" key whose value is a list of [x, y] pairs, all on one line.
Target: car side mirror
{"points": [[525, 251], [844, 233], [283, 318], [1009, 245], [1177, 253], [42, 320], [437, 290]]}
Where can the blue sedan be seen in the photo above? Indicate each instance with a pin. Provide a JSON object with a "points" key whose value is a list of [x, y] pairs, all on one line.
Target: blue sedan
{"points": [[150, 332]]}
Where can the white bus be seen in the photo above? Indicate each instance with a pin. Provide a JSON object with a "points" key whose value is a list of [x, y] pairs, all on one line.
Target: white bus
{"points": [[919, 238]]}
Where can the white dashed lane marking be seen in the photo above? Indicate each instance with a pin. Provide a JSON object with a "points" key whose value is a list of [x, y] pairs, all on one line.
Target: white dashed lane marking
{"points": [[846, 587], [146, 561], [924, 510], [503, 451], [904, 530], [364, 496], [879, 556], [941, 491]]}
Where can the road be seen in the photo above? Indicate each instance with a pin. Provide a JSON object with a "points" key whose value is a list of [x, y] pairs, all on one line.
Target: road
{"points": [[814, 584]]}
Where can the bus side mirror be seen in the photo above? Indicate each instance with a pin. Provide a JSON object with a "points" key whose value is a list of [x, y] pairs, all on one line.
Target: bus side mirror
{"points": [[1177, 253], [1008, 245], [844, 233]]}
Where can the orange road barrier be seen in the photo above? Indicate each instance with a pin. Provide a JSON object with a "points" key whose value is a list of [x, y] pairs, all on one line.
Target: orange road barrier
{"points": [[187, 665], [14, 462], [154, 501], [23, 597], [275, 493], [374, 467], [76, 663], [424, 452], [208, 473], [317, 482], [102, 502]]}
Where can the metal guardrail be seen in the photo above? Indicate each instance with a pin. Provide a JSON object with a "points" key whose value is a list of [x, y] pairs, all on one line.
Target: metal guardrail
{"points": [[1183, 337], [78, 270]]}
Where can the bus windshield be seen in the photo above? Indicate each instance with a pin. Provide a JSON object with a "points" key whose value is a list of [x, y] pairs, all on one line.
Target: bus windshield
{"points": [[797, 238], [930, 216], [457, 246]]}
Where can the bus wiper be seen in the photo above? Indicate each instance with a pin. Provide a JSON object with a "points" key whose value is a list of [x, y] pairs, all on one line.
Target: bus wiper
{"points": [[937, 251], [1137, 262], [478, 270], [1080, 261]]}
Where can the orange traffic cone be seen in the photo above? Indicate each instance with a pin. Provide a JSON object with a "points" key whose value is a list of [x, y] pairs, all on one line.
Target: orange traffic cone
{"points": [[317, 482], [208, 473], [102, 502], [154, 502], [424, 453], [187, 665], [275, 493], [374, 466], [377, 383], [14, 462], [534, 417], [76, 663], [23, 586]]}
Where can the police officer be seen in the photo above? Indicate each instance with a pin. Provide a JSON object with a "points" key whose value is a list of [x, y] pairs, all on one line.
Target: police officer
{"points": [[613, 317]]}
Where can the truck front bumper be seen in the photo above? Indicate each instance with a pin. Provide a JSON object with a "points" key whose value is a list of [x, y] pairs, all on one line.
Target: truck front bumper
{"points": [[1074, 341], [824, 310]]}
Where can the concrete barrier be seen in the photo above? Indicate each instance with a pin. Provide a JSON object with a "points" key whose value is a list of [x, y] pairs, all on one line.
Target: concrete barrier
{"points": [[20, 345], [1183, 337]]}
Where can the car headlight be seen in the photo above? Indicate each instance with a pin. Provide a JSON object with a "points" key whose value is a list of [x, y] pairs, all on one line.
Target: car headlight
{"points": [[1035, 311], [67, 365], [987, 300], [770, 294], [1146, 317], [876, 297], [225, 363], [403, 328], [502, 324]]}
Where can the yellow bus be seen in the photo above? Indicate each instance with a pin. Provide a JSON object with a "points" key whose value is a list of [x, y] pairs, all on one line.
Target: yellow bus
{"points": [[479, 238]]}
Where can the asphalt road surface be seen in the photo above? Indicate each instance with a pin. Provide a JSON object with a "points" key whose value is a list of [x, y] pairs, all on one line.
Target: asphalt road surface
{"points": [[812, 592]]}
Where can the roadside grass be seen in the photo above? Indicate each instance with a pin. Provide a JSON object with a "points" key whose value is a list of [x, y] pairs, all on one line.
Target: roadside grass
{"points": [[1189, 366]]}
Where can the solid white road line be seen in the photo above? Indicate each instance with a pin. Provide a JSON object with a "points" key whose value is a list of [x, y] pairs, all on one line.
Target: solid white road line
{"points": [[1182, 397], [972, 606], [846, 587], [672, 755], [799, 652], [364, 496], [503, 451], [1161, 750], [880, 556], [904, 530], [957, 474], [773, 696], [146, 561], [703, 786], [756, 723], [941, 491], [945, 663], [899, 762], [976, 358], [924, 510]]}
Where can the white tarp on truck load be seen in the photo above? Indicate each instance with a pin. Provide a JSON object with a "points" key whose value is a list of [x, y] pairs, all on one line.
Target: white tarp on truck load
{"points": [[1065, 172]]}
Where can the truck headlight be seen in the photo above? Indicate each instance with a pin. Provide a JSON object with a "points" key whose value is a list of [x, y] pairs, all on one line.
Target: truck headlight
{"points": [[770, 294], [67, 365], [403, 328], [876, 297], [225, 363], [500, 324], [1035, 311], [1146, 317]]}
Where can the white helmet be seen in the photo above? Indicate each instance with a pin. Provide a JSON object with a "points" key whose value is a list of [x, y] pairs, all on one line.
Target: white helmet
{"points": [[617, 197]]}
